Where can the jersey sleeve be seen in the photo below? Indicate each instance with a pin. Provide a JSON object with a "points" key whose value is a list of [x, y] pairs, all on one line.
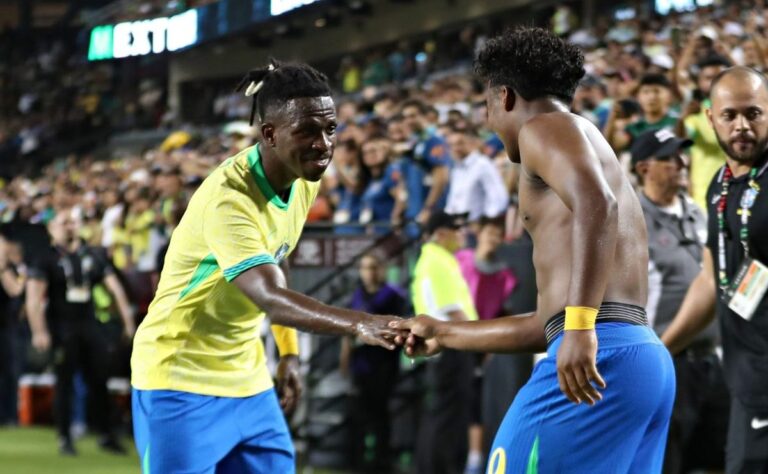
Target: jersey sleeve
{"points": [[438, 153], [234, 237]]}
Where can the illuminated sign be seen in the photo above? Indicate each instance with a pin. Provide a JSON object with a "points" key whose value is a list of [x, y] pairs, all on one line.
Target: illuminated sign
{"points": [[278, 7], [139, 38]]}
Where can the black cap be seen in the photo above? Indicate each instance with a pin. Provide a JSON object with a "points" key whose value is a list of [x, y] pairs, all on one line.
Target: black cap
{"points": [[443, 220], [657, 143]]}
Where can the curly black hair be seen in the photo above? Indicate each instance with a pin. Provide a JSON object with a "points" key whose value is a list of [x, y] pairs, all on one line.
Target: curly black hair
{"points": [[534, 62], [281, 82]]}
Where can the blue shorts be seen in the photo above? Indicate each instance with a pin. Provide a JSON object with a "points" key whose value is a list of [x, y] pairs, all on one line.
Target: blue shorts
{"points": [[625, 432], [180, 432]]}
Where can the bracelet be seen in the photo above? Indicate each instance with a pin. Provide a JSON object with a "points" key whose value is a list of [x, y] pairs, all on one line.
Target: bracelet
{"points": [[580, 317]]}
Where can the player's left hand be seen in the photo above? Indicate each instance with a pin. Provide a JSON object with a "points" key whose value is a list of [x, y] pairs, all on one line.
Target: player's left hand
{"points": [[577, 367], [288, 383]]}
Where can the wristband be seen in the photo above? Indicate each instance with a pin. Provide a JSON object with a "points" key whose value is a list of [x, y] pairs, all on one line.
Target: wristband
{"points": [[580, 317]]}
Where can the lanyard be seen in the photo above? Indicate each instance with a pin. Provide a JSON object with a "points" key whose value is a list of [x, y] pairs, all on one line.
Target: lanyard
{"points": [[69, 271], [748, 198]]}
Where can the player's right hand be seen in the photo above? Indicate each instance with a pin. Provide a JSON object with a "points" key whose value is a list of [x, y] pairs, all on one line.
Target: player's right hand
{"points": [[421, 339], [375, 331], [41, 341], [577, 367]]}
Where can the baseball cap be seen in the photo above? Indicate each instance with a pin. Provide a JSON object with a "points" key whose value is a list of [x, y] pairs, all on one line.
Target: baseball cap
{"points": [[443, 220], [657, 143]]}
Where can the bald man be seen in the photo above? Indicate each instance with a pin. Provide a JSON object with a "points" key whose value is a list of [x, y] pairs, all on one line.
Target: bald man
{"points": [[734, 278]]}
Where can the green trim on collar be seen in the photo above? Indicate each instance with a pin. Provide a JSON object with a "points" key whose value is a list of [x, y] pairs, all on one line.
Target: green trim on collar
{"points": [[257, 171]]}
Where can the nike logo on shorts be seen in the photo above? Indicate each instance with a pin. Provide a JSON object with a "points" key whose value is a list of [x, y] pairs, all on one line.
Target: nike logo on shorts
{"points": [[758, 424]]}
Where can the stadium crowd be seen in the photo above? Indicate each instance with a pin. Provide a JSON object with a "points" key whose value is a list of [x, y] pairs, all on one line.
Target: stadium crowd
{"points": [[411, 144]]}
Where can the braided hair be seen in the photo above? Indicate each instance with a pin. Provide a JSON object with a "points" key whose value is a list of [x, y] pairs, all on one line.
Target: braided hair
{"points": [[280, 82]]}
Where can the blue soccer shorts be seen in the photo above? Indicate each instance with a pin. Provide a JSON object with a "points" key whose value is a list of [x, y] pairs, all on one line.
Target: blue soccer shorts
{"points": [[625, 432], [180, 432]]}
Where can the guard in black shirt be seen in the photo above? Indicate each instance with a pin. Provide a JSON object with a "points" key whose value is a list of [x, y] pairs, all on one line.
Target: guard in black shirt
{"points": [[63, 275], [734, 277]]}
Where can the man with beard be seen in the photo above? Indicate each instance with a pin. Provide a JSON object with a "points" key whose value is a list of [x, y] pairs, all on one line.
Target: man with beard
{"points": [[734, 278]]}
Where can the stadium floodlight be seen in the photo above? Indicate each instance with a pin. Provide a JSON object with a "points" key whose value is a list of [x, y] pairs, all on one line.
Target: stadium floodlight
{"points": [[278, 7]]}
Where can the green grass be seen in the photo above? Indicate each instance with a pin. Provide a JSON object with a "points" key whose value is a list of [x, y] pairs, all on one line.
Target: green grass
{"points": [[35, 451]]}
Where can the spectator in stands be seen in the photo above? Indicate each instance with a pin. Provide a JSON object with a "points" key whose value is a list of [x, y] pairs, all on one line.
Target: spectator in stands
{"points": [[439, 290], [61, 316], [373, 369], [591, 101], [378, 199], [490, 282], [352, 181], [654, 95], [426, 168], [706, 155], [476, 186], [12, 280], [489, 279], [677, 232]]}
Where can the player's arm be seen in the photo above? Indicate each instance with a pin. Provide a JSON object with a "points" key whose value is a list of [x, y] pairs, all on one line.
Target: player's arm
{"points": [[567, 163], [265, 285], [237, 240], [521, 333], [286, 338], [697, 309], [289, 386]]}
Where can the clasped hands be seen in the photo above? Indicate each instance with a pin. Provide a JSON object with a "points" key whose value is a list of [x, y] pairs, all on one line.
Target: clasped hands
{"points": [[419, 336]]}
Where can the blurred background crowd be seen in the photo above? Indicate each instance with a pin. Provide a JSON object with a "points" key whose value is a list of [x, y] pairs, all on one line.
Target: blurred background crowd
{"points": [[119, 151]]}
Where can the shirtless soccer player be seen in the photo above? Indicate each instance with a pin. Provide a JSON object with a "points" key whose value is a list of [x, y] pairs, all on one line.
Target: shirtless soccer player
{"points": [[601, 401], [203, 400]]}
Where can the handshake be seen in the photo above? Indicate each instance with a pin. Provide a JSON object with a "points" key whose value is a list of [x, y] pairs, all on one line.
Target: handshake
{"points": [[420, 335]]}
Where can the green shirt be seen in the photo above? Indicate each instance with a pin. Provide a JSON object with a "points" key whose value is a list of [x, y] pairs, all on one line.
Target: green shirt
{"points": [[641, 126], [438, 286]]}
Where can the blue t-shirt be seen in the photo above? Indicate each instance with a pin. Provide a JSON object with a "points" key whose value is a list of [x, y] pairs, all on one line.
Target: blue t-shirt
{"points": [[350, 203], [377, 200], [430, 151]]}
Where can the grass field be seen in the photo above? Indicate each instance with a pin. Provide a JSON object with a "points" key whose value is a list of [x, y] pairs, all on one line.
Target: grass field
{"points": [[35, 451]]}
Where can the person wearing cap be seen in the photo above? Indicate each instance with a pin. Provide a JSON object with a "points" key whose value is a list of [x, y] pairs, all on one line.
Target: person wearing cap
{"points": [[677, 232], [654, 94], [439, 289]]}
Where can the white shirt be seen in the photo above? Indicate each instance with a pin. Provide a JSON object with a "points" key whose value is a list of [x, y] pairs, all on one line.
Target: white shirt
{"points": [[108, 224], [476, 187]]}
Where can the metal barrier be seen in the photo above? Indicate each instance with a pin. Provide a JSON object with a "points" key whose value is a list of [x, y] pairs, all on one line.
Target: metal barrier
{"points": [[322, 431]]}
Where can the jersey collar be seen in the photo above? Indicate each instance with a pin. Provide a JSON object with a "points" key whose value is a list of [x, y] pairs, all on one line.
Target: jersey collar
{"points": [[257, 171]]}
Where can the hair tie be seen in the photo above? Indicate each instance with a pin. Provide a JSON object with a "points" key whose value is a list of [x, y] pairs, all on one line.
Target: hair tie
{"points": [[254, 87]]}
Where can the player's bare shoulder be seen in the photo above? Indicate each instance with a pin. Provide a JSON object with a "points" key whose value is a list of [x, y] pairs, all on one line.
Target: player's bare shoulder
{"points": [[547, 137]]}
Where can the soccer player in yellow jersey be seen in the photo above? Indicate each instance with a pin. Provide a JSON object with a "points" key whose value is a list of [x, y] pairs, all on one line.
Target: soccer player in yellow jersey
{"points": [[203, 399]]}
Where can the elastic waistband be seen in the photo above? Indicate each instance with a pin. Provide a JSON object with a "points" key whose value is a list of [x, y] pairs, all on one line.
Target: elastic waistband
{"points": [[608, 313]]}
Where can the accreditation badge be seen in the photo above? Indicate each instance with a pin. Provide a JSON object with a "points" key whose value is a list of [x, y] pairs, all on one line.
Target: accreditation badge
{"points": [[78, 294], [748, 289]]}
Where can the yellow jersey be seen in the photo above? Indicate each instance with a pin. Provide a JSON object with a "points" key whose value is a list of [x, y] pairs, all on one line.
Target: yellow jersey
{"points": [[706, 155], [201, 334]]}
